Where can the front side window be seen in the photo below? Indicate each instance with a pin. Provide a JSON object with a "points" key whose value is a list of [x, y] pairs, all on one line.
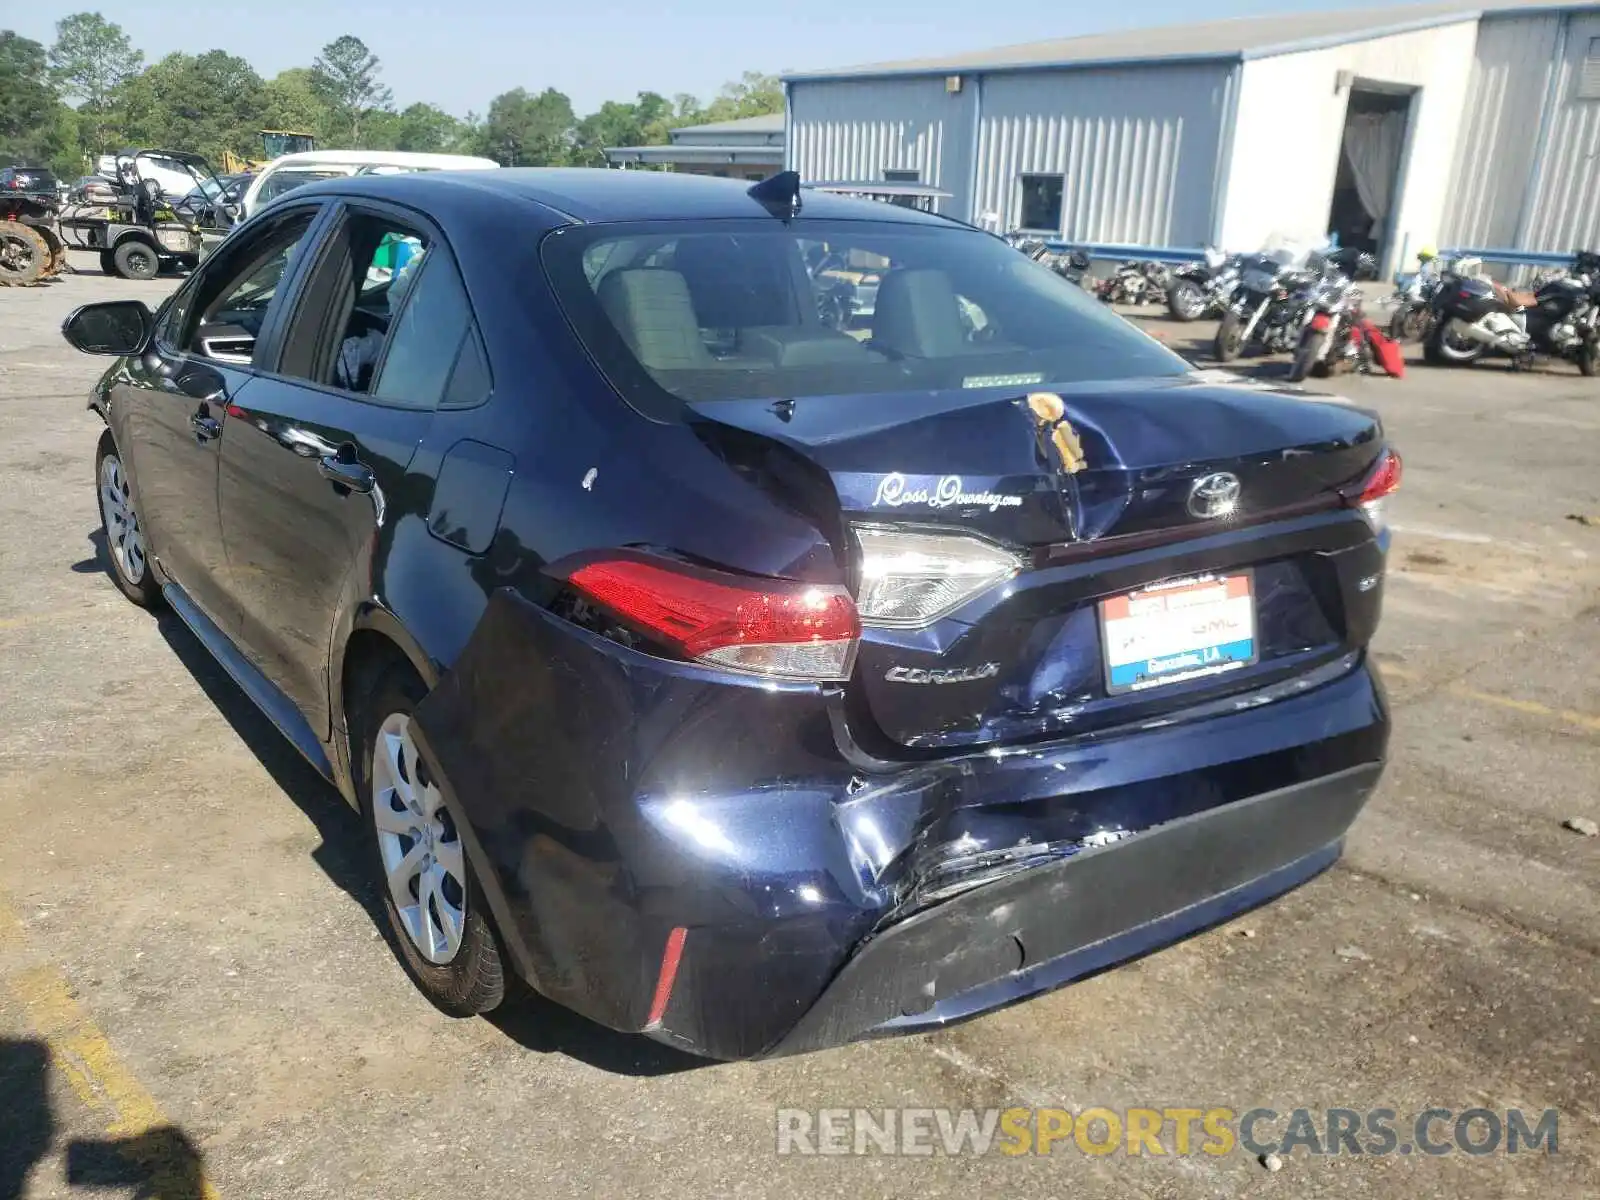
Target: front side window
{"points": [[1041, 202], [681, 312], [221, 314]]}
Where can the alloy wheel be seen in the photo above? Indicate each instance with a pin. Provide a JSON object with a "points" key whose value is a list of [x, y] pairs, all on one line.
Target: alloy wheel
{"points": [[423, 863], [124, 537]]}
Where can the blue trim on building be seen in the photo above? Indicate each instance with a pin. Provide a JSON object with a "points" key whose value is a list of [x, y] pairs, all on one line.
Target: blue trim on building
{"points": [[1011, 68]]}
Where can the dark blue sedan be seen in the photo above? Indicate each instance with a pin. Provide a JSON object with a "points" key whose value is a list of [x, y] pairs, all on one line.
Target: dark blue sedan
{"points": [[735, 670]]}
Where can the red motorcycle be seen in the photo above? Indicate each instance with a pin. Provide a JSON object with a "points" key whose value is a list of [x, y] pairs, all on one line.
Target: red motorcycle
{"points": [[1338, 336]]}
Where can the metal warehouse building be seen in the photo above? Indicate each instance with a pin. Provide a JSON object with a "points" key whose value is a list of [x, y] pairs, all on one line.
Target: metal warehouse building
{"points": [[1396, 127]]}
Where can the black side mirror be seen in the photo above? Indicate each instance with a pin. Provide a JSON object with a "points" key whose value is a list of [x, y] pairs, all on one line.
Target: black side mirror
{"points": [[113, 327]]}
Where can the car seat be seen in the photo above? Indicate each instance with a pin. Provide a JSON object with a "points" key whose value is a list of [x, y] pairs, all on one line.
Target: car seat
{"points": [[918, 316]]}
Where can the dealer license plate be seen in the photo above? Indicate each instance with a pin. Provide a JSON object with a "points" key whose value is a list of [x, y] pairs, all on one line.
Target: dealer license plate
{"points": [[1178, 630]]}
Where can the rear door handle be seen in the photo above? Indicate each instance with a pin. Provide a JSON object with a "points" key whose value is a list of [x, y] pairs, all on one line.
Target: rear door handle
{"points": [[355, 476], [205, 428]]}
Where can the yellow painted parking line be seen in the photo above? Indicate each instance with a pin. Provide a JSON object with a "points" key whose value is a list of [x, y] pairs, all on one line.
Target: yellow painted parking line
{"points": [[1533, 708], [84, 1056]]}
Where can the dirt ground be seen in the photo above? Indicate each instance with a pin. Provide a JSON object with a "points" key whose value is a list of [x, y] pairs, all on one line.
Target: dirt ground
{"points": [[195, 1000]]}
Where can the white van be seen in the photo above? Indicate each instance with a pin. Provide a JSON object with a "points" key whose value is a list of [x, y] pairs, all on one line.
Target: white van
{"points": [[293, 170]]}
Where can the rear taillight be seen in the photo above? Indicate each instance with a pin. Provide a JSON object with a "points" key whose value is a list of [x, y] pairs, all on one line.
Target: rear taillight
{"points": [[768, 627], [911, 579], [1382, 482]]}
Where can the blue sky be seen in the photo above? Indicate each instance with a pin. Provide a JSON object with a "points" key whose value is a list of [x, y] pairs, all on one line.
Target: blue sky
{"points": [[593, 52]]}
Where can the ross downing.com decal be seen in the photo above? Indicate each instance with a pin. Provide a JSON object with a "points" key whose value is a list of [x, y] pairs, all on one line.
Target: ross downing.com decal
{"points": [[894, 492]]}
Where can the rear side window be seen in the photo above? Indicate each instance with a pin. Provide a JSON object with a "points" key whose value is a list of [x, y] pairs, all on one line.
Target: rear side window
{"points": [[677, 312], [426, 338]]}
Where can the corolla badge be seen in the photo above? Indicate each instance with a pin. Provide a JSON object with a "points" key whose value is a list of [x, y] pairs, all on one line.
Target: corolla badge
{"points": [[1213, 497], [945, 675], [895, 491]]}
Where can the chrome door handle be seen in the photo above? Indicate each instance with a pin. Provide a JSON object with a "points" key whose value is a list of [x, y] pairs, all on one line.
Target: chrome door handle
{"points": [[355, 476]]}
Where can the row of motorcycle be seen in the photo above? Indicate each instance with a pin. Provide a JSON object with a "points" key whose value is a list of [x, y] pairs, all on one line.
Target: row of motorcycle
{"points": [[1291, 298]]}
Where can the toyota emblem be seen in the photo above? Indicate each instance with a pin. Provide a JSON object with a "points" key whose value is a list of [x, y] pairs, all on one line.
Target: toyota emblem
{"points": [[1213, 497]]}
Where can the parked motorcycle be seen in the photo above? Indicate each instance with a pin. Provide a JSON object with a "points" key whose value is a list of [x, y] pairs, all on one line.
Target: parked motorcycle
{"points": [[1135, 283], [1198, 289], [1268, 308], [1339, 337], [1071, 265], [1476, 317]]}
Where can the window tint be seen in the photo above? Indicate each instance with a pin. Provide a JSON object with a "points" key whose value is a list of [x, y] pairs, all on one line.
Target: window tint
{"points": [[470, 383], [426, 338], [221, 313], [1041, 202], [725, 310]]}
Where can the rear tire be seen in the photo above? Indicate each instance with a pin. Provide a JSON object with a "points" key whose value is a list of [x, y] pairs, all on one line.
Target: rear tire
{"points": [[127, 553], [1589, 358], [1185, 300], [1230, 338], [438, 919], [136, 260]]}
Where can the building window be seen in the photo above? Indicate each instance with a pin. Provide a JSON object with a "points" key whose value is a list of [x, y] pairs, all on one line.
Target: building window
{"points": [[1589, 74], [895, 176], [1041, 201]]}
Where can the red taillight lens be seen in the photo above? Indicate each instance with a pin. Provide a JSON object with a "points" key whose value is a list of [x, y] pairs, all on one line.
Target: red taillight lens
{"points": [[1383, 481], [763, 627], [1385, 478], [1320, 322]]}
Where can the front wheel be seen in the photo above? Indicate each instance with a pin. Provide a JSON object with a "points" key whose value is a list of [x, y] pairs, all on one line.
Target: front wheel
{"points": [[1186, 301], [1446, 348], [435, 906], [121, 533], [136, 260], [1230, 338], [1307, 356], [23, 255], [1589, 357]]}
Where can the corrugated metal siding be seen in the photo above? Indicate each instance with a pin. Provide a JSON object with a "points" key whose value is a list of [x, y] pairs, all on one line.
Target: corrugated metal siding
{"points": [[858, 129], [1137, 146], [1565, 206], [1499, 130]]}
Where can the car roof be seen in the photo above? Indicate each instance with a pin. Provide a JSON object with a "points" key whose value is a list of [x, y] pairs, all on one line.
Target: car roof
{"points": [[595, 194], [370, 158]]}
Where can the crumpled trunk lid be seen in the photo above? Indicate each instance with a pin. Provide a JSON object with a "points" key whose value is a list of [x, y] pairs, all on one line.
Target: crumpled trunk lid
{"points": [[1102, 490]]}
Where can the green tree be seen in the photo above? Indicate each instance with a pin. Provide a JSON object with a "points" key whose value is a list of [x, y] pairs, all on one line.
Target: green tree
{"points": [[346, 75], [29, 107], [527, 130], [209, 103], [427, 129], [642, 123], [751, 95], [90, 59], [292, 103]]}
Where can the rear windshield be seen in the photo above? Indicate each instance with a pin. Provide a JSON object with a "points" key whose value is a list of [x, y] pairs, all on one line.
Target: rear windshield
{"points": [[679, 311]]}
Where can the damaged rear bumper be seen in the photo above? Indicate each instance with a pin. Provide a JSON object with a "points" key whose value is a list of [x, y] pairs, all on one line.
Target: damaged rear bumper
{"points": [[1049, 925], [615, 805]]}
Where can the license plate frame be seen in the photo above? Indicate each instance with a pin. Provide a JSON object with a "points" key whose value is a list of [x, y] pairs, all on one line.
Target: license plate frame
{"points": [[1115, 610]]}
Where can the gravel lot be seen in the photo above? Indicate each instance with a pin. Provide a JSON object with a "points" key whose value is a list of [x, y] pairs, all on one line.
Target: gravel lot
{"points": [[186, 933]]}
